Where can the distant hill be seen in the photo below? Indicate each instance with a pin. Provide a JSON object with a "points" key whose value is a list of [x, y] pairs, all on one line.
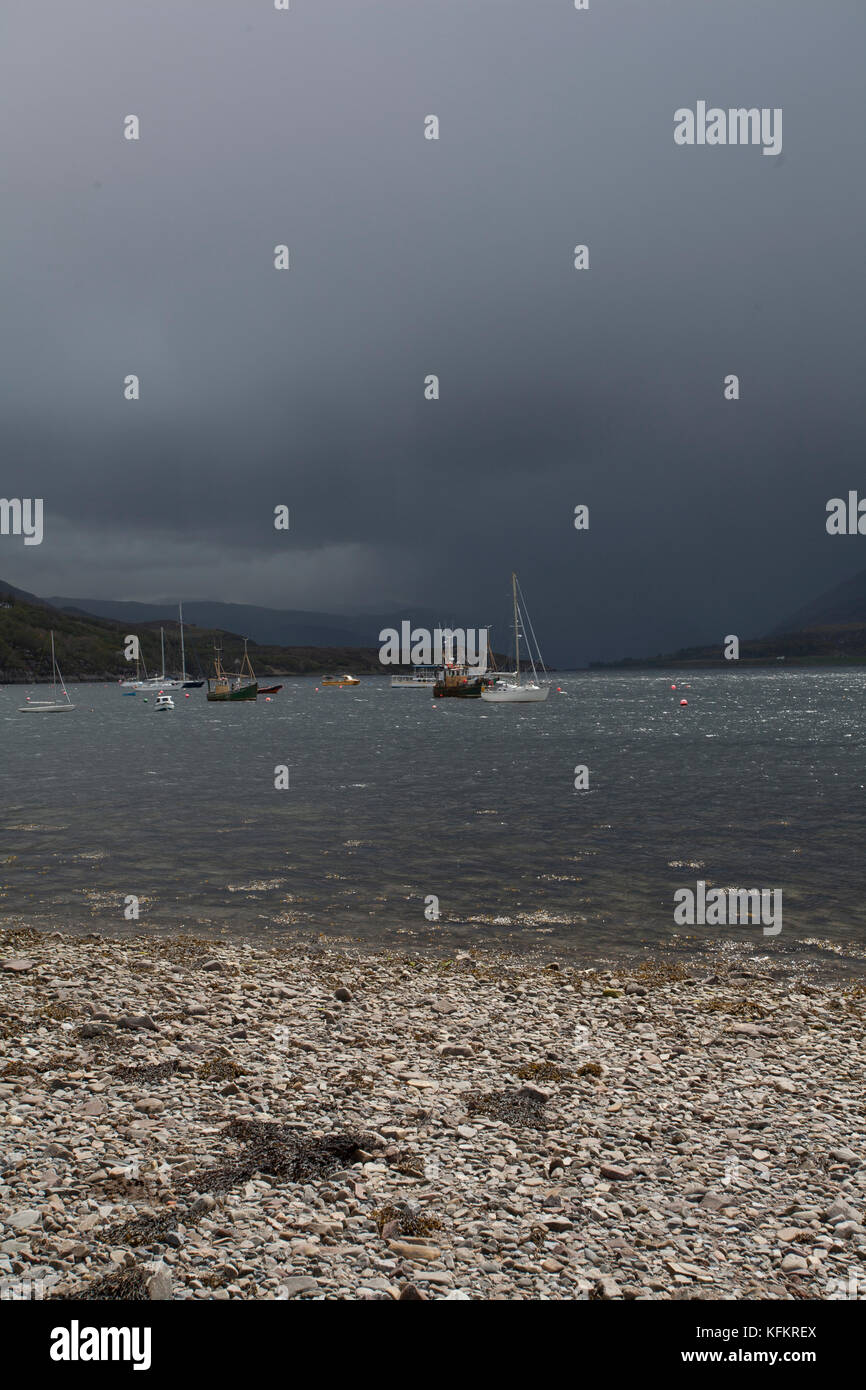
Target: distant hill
{"points": [[281, 627], [840, 644], [844, 604], [831, 630], [90, 648]]}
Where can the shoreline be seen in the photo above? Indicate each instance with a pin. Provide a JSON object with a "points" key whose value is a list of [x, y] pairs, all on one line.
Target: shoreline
{"points": [[820, 960], [477, 1126]]}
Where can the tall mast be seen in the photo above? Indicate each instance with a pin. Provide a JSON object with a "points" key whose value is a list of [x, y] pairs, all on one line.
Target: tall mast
{"points": [[162, 643], [516, 626], [182, 652], [53, 668]]}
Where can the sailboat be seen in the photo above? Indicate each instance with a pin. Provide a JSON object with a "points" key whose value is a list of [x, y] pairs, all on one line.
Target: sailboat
{"points": [[243, 686], [511, 690], [130, 686], [163, 682], [186, 681], [54, 706]]}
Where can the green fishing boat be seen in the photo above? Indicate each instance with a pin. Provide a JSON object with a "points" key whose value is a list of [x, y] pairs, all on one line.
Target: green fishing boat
{"points": [[459, 685], [243, 686]]}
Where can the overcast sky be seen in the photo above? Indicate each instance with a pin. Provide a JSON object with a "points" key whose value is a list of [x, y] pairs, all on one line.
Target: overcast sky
{"points": [[454, 257]]}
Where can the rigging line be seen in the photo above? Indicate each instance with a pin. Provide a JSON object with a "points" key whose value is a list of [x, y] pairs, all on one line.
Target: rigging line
{"points": [[532, 630]]}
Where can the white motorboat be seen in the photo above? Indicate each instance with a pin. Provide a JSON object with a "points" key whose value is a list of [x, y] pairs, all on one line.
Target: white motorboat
{"points": [[419, 678], [513, 690], [53, 706], [164, 702]]}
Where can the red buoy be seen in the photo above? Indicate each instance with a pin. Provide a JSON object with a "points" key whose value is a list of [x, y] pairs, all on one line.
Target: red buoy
{"points": [[673, 687], [684, 702]]}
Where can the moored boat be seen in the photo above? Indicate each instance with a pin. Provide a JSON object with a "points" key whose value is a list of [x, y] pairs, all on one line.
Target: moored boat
{"points": [[53, 706], [162, 682], [187, 682], [510, 693], [512, 690], [419, 678], [458, 685], [339, 680], [222, 686]]}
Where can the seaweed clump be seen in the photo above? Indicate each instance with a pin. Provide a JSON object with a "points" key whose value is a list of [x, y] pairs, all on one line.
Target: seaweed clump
{"points": [[150, 1072], [126, 1286], [220, 1069], [142, 1230], [660, 972], [737, 1008], [406, 1161], [405, 1220], [283, 1153], [519, 1108], [59, 1012], [541, 1071]]}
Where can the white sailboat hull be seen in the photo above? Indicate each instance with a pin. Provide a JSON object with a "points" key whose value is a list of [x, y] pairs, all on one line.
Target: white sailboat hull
{"points": [[54, 706], [43, 707], [510, 689], [515, 694]]}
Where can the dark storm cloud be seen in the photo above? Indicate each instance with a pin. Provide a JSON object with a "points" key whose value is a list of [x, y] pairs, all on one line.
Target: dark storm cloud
{"points": [[411, 257]]}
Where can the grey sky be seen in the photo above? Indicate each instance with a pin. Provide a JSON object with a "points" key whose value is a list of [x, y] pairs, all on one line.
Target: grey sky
{"points": [[454, 257]]}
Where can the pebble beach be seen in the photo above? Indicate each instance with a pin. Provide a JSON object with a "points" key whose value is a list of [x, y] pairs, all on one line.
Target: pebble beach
{"points": [[195, 1119]]}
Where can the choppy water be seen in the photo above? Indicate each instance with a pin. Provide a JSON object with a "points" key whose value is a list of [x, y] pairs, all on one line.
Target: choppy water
{"points": [[759, 783]]}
